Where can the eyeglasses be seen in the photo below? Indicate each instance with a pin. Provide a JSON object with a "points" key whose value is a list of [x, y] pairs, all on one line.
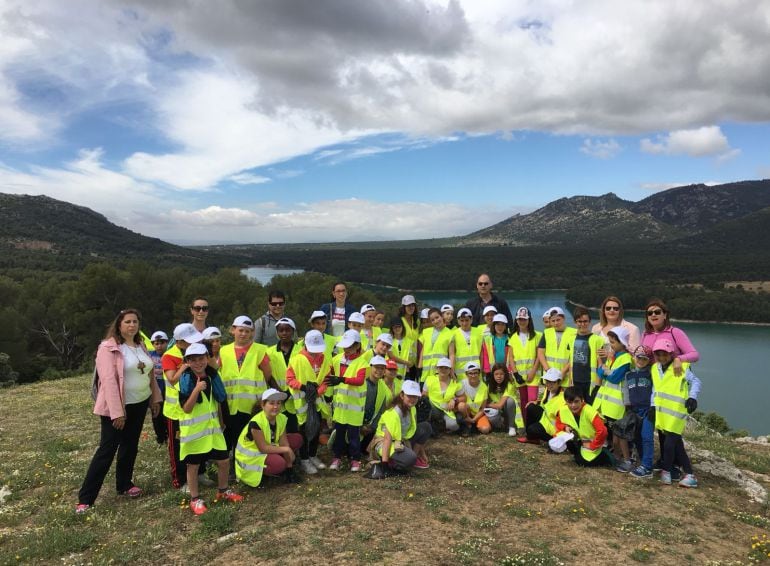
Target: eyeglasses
{"points": [[609, 308], [654, 312], [483, 283], [583, 321], [200, 308], [277, 304]]}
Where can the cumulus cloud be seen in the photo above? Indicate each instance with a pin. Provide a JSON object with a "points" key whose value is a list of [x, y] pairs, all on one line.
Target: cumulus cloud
{"points": [[601, 149], [343, 220], [699, 142]]}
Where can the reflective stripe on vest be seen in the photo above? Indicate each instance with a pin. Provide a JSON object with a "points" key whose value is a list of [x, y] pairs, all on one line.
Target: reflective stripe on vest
{"points": [[305, 373], [243, 384], [609, 399], [199, 430], [249, 461], [585, 431], [669, 395]]}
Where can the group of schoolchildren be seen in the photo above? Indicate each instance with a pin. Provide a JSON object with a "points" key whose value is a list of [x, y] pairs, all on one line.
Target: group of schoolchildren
{"points": [[265, 410]]}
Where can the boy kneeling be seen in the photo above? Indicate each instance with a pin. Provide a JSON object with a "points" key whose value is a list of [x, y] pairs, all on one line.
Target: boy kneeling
{"points": [[587, 426]]}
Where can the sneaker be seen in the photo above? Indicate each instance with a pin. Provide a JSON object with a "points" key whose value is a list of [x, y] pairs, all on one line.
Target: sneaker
{"points": [[132, 492], [676, 474], [355, 466], [665, 477], [421, 464], [624, 466], [688, 480], [525, 440], [82, 508], [308, 467], [198, 507], [335, 465], [512, 431], [185, 489], [641, 472], [316, 461], [228, 495], [205, 481]]}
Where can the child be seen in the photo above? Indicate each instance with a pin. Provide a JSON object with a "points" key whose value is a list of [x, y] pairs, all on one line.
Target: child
{"points": [[443, 390], [435, 344], [585, 348], [280, 355], [369, 332], [375, 400], [310, 370], [159, 341], [612, 396], [524, 363], [547, 319], [400, 440], [488, 313], [674, 397], [349, 401], [553, 349], [541, 416], [265, 446], [448, 314], [246, 374], [639, 382], [200, 429], [404, 351], [502, 398], [495, 348], [212, 339], [466, 342], [472, 408], [379, 320], [588, 428], [318, 322]]}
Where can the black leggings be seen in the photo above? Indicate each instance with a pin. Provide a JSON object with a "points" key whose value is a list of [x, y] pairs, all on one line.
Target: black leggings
{"points": [[673, 452]]}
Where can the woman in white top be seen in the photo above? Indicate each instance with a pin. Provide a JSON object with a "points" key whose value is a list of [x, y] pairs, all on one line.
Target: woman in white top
{"points": [[126, 387], [610, 316]]}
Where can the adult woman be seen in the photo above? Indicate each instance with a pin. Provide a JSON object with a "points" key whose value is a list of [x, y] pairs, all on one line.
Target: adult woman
{"points": [[338, 310], [407, 312], [610, 316], [658, 326], [126, 387], [199, 311]]}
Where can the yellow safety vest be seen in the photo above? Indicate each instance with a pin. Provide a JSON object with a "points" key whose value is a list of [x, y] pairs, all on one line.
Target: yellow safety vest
{"points": [[594, 343], [411, 332], [171, 408], [391, 421], [367, 344], [406, 350], [466, 351], [385, 395], [510, 391], [278, 366], [559, 356], [585, 431], [437, 398], [249, 461], [525, 356], [609, 399], [669, 394], [246, 384], [432, 351], [305, 373], [551, 408], [199, 430], [350, 400], [482, 392]]}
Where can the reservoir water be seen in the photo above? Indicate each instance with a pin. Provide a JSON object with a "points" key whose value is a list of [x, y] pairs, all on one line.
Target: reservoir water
{"points": [[734, 361]]}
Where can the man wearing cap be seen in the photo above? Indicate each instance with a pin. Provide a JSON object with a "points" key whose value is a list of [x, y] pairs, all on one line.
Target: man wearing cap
{"points": [[369, 332], [466, 342], [280, 355], [246, 373], [485, 297], [553, 349], [173, 366], [264, 326]]}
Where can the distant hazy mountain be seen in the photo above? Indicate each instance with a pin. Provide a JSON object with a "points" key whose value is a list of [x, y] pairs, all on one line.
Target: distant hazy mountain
{"points": [[673, 214], [39, 232]]}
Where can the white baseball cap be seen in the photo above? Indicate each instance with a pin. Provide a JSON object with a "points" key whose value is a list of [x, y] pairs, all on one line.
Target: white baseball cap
{"points": [[488, 308], [464, 312], [553, 374], [523, 312], [470, 366], [286, 320], [385, 337], [314, 342], [378, 361], [315, 315], [366, 308], [622, 333], [243, 321], [187, 332], [557, 311], [211, 333], [357, 317], [424, 313], [349, 338], [500, 318], [273, 395], [196, 349], [409, 387], [447, 308], [444, 363], [159, 335], [408, 300]]}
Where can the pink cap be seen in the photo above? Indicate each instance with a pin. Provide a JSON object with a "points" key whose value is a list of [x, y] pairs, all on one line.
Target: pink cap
{"points": [[663, 344]]}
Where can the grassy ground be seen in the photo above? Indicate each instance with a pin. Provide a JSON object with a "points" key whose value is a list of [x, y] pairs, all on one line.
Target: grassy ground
{"points": [[484, 500]]}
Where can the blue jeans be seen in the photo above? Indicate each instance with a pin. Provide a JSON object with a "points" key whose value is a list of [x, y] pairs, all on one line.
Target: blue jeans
{"points": [[645, 438]]}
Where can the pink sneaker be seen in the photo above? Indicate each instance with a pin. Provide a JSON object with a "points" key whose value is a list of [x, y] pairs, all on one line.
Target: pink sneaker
{"points": [[355, 466], [132, 492], [82, 508], [335, 465], [421, 464], [198, 506]]}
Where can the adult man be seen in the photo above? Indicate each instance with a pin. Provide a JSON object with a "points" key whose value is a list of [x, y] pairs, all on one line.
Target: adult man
{"points": [[486, 298], [264, 326]]}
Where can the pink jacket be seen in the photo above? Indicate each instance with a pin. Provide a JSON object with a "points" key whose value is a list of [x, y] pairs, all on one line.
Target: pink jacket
{"points": [[109, 366]]}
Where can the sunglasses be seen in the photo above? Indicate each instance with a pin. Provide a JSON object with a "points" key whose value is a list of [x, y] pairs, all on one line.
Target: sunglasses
{"points": [[654, 312], [278, 304], [609, 308], [199, 308], [483, 283]]}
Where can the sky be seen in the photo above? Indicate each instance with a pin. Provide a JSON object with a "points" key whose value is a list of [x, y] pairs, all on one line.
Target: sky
{"points": [[303, 121]]}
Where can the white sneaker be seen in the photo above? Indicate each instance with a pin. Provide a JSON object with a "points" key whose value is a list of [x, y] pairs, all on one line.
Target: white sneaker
{"points": [[308, 467], [511, 431], [316, 461], [185, 489]]}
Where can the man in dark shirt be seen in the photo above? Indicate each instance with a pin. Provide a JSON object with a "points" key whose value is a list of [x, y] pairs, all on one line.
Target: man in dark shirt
{"points": [[485, 298]]}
